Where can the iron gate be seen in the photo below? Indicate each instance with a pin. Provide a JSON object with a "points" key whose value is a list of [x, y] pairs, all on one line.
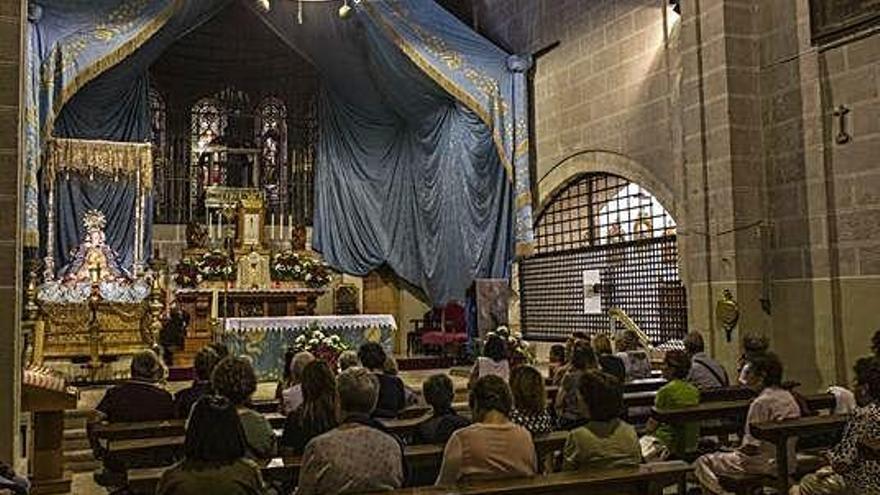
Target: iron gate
{"points": [[603, 242]]}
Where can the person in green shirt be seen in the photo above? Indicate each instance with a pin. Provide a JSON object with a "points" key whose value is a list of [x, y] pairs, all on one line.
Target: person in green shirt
{"points": [[664, 440], [605, 441]]}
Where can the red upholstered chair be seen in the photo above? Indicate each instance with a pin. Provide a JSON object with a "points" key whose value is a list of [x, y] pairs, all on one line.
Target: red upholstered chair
{"points": [[452, 331], [430, 320]]}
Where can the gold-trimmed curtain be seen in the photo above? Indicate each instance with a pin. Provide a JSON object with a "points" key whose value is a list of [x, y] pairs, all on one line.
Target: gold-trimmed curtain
{"points": [[111, 159]]}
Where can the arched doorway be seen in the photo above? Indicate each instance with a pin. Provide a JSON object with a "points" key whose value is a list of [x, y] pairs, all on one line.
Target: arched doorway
{"points": [[602, 241]]}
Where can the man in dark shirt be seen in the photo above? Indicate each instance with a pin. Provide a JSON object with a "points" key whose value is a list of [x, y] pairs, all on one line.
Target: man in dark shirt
{"points": [[438, 392], [204, 364], [139, 399]]}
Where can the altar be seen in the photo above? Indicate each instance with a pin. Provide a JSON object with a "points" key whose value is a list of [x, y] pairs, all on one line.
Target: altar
{"points": [[265, 340]]}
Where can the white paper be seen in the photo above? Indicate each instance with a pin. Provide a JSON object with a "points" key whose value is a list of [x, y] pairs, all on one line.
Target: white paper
{"points": [[592, 298]]}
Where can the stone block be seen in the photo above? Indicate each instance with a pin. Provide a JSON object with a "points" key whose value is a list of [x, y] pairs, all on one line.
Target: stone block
{"points": [[853, 86], [9, 39], [869, 260], [857, 156], [863, 52], [788, 264], [866, 189], [866, 119], [9, 84], [8, 128], [860, 225], [8, 172]]}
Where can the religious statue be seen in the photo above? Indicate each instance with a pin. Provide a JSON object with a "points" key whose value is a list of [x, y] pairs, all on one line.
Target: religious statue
{"points": [[93, 259]]}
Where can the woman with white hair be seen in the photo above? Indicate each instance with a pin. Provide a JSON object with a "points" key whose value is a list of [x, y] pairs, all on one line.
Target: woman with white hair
{"points": [[292, 396], [358, 455]]}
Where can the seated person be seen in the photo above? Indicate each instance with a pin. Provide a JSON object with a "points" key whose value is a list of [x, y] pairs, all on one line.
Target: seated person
{"points": [[492, 362], [234, 378], [292, 396], [492, 447], [356, 456], [317, 413], [605, 441], [557, 360], [286, 380], [635, 359], [141, 398], [762, 373], [438, 392], [705, 373], [214, 455], [568, 410], [850, 471], [392, 395], [608, 362], [752, 344], [204, 364], [347, 359], [664, 440], [412, 397], [530, 401]]}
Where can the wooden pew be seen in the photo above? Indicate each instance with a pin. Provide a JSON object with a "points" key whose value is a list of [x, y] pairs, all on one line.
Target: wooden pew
{"points": [[423, 460], [779, 432], [729, 409], [641, 480]]}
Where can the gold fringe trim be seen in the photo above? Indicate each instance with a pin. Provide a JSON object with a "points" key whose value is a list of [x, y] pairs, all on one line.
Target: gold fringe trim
{"points": [[447, 84], [106, 62], [524, 249], [108, 158]]}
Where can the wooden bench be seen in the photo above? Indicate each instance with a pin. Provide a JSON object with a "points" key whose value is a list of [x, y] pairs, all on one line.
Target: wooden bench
{"points": [[423, 461], [641, 480], [779, 432]]}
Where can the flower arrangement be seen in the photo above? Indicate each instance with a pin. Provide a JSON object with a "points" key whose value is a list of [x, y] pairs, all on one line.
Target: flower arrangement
{"points": [[292, 266], [213, 265], [216, 265], [518, 350], [188, 274], [325, 347]]}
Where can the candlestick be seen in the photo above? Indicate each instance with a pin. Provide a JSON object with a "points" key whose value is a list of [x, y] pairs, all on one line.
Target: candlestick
{"points": [[290, 226], [210, 231], [272, 229], [220, 225], [214, 304]]}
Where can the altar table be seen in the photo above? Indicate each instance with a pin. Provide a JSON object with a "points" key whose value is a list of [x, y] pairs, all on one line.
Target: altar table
{"points": [[265, 340], [236, 303]]}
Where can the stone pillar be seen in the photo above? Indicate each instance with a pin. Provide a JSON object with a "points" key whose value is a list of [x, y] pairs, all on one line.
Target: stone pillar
{"points": [[12, 21], [724, 231]]}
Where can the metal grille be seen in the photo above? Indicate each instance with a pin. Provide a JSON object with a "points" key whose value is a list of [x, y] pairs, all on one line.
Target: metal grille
{"points": [[606, 240]]}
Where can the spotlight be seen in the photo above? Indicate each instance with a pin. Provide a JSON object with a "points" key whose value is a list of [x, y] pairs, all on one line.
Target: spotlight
{"points": [[345, 10]]}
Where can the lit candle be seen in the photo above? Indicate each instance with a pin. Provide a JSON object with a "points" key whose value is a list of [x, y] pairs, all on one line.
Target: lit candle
{"points": [[272, 228], [220, 225], [210, 231], [290, 226], [214, 305]]}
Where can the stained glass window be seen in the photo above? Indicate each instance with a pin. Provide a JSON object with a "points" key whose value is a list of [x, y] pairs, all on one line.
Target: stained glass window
{"points": [[271, 137]]}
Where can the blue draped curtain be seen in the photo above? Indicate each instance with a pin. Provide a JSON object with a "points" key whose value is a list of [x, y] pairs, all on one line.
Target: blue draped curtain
{"points": [[422, 159]]}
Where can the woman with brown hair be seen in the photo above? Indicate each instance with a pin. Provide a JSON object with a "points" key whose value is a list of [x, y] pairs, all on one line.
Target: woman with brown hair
{"points": [[568, 410], [317, 413], [608, 362], [492, 447], [530, 401]]}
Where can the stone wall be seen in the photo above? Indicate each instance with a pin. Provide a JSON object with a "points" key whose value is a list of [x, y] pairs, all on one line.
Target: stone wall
{"points": [[728, 119], [608, 87], [11, 31]]}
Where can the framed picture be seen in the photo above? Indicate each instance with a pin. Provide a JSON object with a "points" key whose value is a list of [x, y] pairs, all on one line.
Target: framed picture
{"points": [[833, 19]]}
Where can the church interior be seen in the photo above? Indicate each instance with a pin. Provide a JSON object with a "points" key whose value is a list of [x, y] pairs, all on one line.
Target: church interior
{"points": [[440, 246]]}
